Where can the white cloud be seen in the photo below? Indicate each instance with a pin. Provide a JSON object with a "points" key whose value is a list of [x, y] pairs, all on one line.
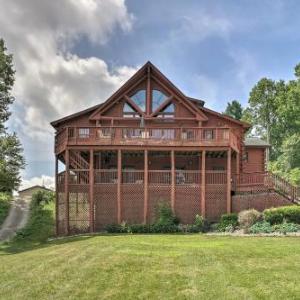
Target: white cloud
{"points": [[44, 180], [51, 80]]}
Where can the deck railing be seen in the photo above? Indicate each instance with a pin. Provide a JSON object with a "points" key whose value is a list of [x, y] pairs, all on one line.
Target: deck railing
{"points": [[255, 182], [132, 135]]}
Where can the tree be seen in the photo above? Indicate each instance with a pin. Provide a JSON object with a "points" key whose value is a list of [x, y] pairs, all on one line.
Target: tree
{"points": [[263, 109], [7, 73], [11, 159], [234, 109]]}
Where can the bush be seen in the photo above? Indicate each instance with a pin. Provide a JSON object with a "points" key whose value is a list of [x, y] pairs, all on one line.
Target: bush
{"points": [[117, 228], [139, 228], [247, 218], [164, 215], [290, 214], [228, 221], [164, 228], [286, 227], [261, 227], [42, 197]]}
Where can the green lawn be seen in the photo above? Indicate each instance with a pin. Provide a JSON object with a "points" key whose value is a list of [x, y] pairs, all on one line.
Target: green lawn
{"points": [[153, 267]]}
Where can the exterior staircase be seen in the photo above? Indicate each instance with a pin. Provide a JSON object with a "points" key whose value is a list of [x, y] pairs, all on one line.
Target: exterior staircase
{"points": [[256, 183]]}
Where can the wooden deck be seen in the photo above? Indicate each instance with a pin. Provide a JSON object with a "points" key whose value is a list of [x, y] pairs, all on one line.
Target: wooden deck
{"points": [[134, 136]]}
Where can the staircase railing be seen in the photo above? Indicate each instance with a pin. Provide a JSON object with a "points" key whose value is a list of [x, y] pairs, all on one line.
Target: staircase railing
{"points": [[261, 182]]}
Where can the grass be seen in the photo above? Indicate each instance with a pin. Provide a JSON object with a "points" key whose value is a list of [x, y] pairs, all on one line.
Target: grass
{"points": [[146, 266], [5, 201]]}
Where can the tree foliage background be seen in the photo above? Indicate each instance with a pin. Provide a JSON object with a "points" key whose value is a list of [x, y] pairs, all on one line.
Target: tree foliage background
{"points": [[274, 112], [11, 158]]}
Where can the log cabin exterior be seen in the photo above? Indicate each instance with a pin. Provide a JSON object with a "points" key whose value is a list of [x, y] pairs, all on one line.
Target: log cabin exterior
{"points": [[148, 143]]}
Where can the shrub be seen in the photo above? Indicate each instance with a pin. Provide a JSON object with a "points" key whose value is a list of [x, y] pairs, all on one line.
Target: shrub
{"points": [[291, 214], [116, 228], [139, 228], [228, 220], [247, 218], [261, 227], [198, 226], [42, 197], [165, 215], [164, 228], [286, 227]]}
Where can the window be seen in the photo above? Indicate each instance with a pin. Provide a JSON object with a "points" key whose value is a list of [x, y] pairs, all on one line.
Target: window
{"points": [[139, 98], [158, 98], [246, 157], [129, 112], [84, 133], [208, 134], [167, 112]]}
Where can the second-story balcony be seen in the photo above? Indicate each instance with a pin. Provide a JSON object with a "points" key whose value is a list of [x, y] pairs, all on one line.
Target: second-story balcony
{"points": [[135, 136]]}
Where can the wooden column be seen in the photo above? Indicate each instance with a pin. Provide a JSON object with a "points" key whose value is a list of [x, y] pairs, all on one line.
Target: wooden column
{"points": [[56, 195], [67, 162], [145, 185], [229, 181], [203, 167], [91, 192], [148, 96], [173, 180], [119, 185], [238, 163]]}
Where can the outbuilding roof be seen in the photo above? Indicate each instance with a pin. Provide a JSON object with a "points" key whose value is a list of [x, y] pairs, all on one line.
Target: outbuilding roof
{"points": [[255, 142]]}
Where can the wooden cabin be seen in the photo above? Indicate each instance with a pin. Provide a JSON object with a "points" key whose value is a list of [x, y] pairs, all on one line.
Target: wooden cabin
{"points": [[149, 143]]}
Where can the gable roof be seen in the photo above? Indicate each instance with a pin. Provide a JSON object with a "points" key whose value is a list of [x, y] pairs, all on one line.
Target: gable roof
{"points": [[141, 75], [193, 104]]}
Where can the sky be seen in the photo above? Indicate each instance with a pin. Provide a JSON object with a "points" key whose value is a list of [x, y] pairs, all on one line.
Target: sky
{"points": [[72, 54]]}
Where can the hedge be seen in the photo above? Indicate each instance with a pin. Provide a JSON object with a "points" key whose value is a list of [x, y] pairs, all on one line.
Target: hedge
{"points": [[278, 215]]}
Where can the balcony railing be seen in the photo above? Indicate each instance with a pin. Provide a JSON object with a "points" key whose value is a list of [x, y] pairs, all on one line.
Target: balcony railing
{"points": [[194, 136]]}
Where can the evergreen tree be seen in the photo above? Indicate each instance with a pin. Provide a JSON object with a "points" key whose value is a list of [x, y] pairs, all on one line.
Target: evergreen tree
{"points": [[11, 159], [234, 109]]}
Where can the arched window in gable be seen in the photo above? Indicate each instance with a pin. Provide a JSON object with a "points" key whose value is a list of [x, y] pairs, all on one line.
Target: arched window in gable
{"points": [[158, 98], [129, 112], [139, 98], [167, 112]]}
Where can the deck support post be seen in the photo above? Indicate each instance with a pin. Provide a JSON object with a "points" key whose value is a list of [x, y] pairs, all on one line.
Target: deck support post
{"points": [[119, 185], [67, 172], [56, 195], [203, 167], [237, 163], [173, 180], [145, 185], [229, 181], [91, 191]]}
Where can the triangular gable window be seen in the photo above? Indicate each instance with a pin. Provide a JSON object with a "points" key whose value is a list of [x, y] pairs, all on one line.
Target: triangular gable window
{"points": [[129, 112]]}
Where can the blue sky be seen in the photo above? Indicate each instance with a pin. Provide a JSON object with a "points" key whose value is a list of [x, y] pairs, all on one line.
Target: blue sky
{"points": [[73, 54]]}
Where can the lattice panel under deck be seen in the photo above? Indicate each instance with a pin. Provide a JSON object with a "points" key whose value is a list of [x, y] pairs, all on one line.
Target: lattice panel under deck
{"points": [[187, 202], [105, 199], [215, 195], [61, 213], [157, 193], [132, 203], [78, 208]]}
